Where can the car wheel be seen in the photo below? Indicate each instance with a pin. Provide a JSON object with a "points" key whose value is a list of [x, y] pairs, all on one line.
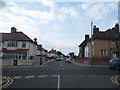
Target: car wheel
{"points": [[117, 67]]}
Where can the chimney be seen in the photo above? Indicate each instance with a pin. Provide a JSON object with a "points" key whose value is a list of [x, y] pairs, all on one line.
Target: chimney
{"points": [[35, 40], [117, 27], [13, 30], [95, 29], [86, 37], [40, 46]]}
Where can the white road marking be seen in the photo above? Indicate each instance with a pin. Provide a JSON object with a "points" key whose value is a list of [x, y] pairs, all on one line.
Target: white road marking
{"points": [[17, 77], [58, 85], [41, 76], [92, 75], [81, 75], [30, 76], [54, 75], [61, 64]]}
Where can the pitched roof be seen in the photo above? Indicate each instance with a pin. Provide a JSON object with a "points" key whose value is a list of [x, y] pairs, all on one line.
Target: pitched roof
{"points": [[108, 34], [39, 47], [18, 36], [52, 51]]}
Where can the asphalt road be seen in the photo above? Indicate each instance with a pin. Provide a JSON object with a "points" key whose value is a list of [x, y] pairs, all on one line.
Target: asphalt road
{"points": [[61, 74]]}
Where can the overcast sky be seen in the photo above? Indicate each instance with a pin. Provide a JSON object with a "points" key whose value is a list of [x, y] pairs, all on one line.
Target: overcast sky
{"points": [[58, 25]]}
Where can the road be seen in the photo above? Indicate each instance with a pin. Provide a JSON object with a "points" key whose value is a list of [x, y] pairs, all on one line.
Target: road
{"points": [[61, 74]]}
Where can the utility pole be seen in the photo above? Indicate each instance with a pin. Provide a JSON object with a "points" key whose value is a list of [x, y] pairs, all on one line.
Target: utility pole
{"points": [[91, 43]]}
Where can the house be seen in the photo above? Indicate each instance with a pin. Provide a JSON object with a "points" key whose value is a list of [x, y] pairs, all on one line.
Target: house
{"points": [[41, 52], [103, 44], [17, 47], [52, 54]]}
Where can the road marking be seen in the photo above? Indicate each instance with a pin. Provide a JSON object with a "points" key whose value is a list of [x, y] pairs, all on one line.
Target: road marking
{"points": [[81, 75], [114, 80], [58, 85], [61, 64], [92, 75], [41, 76], [9, 81], [17, 77], [30, 76], [62, 68], [54, 75]]}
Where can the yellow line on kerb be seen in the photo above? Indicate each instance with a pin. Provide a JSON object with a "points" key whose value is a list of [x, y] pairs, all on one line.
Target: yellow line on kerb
{"points": [[9, 82], [114, 80]]}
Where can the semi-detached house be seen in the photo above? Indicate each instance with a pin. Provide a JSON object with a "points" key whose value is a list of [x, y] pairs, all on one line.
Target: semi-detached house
{"points": [[16, 46], [102, 45]]}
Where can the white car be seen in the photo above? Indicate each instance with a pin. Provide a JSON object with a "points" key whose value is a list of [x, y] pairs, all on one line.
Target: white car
{"points": [[68, 60]]}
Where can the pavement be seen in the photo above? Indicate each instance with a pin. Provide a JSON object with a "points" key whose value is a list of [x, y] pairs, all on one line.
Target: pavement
{"points": [[28, 66], [89, 65]]}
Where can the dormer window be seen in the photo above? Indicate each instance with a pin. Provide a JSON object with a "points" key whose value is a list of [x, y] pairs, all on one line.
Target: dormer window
{"points": [[12, 43]]}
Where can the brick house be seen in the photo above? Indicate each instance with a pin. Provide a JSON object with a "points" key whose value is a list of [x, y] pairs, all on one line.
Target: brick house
{"points": [[103, 44], [17, 46]]}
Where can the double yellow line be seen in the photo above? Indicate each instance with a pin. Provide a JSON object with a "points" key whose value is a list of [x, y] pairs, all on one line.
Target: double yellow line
{"points": [[114, 80], [9, 81]]}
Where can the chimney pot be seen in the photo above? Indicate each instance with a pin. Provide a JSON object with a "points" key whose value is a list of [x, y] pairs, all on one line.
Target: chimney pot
{"points": [[95, 29], [13, 30], [86, 37]]}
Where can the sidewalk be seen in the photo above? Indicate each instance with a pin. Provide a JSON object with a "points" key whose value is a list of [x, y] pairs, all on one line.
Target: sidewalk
{"points": [[29, 66], [88, 65]]}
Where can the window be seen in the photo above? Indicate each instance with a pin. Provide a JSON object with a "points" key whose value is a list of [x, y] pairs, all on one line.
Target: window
{"points": [[0, 46], [103, 52], [11, 55], [12, 43], [23, 44]]}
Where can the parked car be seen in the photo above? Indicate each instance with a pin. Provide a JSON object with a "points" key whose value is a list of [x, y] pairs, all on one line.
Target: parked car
{"points": [[58, 59], [114, 63], [68, 60]]}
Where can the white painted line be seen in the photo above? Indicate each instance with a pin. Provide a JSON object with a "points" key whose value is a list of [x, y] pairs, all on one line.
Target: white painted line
{"points": [[104, 76], [81, 75], [58, 84], [17, 77], [41, 76], [61, 64], [30, 76], [62, 68], [92, 75], [54, 75]]}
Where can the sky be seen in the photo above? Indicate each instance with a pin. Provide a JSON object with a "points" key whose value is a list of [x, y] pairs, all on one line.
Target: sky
{"points": [[59, 25]]}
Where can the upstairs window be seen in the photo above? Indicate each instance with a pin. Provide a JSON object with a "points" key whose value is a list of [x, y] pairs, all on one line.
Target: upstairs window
{"points": [[24, 44], [12, 44], [103, 52]]}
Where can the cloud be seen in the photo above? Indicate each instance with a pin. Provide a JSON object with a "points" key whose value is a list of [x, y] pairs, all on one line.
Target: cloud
{"points": [[97, 11], [2, 4], [68, 13], [48, 3], [59, 27]]}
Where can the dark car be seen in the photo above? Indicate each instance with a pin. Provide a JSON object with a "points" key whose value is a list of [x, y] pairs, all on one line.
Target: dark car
{"points": [[58, 59], [114, 63]]}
